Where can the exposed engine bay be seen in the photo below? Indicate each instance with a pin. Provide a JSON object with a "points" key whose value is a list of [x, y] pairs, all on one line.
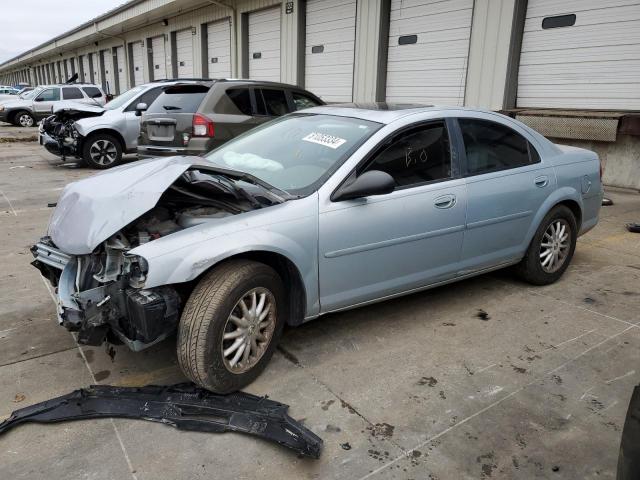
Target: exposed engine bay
{"points": [[101, 295], [59, 134]]}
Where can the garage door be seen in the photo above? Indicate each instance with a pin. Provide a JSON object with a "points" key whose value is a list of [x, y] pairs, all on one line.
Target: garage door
{"points": [[95, 68], [581, 54], [137, 59], [184, 53], [72, 66], [428, 51], [329, 49], [121, 70], [219, 49], [264, 44], [86, 69], [159, 58], [65, 64], [110, 79]]}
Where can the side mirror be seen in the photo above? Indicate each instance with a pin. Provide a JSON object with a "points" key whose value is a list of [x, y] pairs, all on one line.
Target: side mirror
{"points": [[373, 182], [38, 99], [141, 107]]}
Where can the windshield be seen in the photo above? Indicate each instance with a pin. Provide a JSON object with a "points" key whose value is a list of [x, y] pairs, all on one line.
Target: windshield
{"points": [[120, 100], [295, 153], [30, 93]]}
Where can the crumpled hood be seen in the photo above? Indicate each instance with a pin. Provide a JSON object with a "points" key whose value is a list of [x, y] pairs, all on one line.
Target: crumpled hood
{"points": [[91, 210], [72, 108]]}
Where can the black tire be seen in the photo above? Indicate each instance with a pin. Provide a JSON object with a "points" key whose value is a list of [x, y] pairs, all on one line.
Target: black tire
{"points": [[531, 267], [101, 151], [23, 118], [206, 318]]}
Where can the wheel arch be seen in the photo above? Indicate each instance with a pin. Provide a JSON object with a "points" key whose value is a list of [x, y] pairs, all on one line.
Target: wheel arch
{"points": [[566, 196], [288, 272], [11, 116], [107, 131]]}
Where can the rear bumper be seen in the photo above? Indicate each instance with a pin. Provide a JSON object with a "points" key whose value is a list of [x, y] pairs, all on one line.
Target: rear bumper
{"points": [[147, 151]]}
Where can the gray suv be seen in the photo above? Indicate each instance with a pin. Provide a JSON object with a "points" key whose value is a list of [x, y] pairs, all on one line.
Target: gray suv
{"points": [[25, 111], [191, 119]]}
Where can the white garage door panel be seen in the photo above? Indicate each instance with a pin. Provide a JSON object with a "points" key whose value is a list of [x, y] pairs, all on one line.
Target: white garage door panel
{"points": [[121, 70], [108, 72], [219, 49], [86, 68], [432, 70], [264, 37], [95, 66], [137, 52], [184, 53], [594, 64], [330, 24], [159, 58]]}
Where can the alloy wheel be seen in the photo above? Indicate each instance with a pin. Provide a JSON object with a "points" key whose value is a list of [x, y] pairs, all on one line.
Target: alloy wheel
{"points": [[25, 120], [555, 245], [103, 152], [249, 330]]}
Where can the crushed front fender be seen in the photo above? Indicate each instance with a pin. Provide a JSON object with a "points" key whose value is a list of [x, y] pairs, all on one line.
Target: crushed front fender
{"points": [[184, 406]]}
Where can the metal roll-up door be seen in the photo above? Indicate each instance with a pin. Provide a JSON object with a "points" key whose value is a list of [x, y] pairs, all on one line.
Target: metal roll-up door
{"points": [[428, 51], [137, 59], [86, 69], [65, 64], [121, 69], [329, 50], [264, 44], [580, 55], [219, 49], [109, 77], [184, 53], [159, 58], [95, 68]]}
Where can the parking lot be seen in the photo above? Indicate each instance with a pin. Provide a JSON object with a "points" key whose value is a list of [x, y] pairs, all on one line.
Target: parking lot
{"points": [[487, 378]]}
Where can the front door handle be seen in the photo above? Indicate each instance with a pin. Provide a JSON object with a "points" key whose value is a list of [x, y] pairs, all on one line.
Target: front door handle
{"points": [[445, 201], [542, 181]]}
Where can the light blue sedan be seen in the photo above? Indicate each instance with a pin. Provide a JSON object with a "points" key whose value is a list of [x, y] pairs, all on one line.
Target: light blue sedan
{"points": [[322, 210]]}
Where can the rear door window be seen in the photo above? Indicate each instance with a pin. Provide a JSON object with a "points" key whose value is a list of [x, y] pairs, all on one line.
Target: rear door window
{"points": [[179, 99], [491, 146], [241, 98], [275, 102], [92, 92], [71, 93], [301, 101], [147, 97]]}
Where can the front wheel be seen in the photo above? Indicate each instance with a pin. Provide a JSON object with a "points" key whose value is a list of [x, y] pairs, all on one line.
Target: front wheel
{"points": [[24, 119], [102, 151], [551, 248], [231, 325]]}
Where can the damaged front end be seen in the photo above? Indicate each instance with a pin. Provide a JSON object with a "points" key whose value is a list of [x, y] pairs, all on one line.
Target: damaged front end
{"points": [[100, 296], [100, 285], [58, 134]]}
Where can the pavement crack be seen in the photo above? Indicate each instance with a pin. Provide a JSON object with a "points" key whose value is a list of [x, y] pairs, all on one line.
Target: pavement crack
{"points": [[373, 427], [37, 356]]}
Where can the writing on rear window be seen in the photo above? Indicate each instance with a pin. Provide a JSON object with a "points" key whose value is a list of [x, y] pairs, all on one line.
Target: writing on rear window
{"points": [[324, 139]]}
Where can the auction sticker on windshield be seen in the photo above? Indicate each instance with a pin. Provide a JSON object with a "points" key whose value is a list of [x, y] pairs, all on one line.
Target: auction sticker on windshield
{"points": [[324, 139]]}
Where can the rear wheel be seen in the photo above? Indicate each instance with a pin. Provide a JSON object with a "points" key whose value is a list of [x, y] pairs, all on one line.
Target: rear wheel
{"points": [[102, 151], [24, 119], [551, 249], [231, 325]]}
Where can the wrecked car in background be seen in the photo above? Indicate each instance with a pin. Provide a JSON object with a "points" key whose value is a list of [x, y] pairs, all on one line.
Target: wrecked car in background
{"points": [[96, 135], [315, 212]]}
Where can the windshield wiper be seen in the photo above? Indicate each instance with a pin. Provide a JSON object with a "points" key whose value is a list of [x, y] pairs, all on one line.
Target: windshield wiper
{"points": [[171, 107]]}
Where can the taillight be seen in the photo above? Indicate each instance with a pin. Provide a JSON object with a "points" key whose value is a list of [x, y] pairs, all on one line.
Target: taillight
{"points": [[202, 126]]}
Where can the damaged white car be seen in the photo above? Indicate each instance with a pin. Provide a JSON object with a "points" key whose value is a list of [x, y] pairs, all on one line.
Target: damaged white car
{"points": [[315, 212]]}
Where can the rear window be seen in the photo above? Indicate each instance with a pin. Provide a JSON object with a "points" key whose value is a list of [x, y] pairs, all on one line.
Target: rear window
{"points": [[92, 92], [179, 99]]}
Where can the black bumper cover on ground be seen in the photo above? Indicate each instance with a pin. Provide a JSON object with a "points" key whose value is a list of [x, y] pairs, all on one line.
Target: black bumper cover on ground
{"points": [[184, 406]]}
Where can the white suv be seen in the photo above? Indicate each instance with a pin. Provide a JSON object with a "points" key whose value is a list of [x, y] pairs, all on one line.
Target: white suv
{"points": [[25, 112]]}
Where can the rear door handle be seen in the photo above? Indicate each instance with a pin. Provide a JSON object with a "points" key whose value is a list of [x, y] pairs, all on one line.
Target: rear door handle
{"points": [[445, 201], [542, 181]]}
